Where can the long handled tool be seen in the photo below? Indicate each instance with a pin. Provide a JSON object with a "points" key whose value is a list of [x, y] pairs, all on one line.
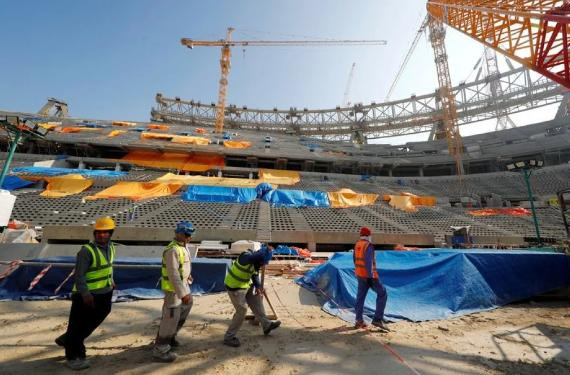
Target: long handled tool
{"points": [[272, 316]]}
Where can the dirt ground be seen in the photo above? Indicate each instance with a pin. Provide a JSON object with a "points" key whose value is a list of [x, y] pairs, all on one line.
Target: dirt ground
{"points": [[526, 338]]}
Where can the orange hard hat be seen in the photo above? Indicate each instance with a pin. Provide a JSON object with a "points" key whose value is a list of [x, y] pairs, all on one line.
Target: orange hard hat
{"points": [[104, 223]]}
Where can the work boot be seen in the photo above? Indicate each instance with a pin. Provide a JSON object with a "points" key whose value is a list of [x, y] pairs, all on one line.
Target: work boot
{"points": [[233, 342], [174, 343], [271, 327], [167, 357], [378, 323], [60, 341], [78, 364], [359, 324]]}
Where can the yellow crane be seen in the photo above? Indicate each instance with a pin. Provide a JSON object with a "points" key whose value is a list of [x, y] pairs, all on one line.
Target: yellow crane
{"points": [[225, 58]]}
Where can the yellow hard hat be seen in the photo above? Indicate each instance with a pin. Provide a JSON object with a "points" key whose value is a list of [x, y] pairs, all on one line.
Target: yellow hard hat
{"points": [[104, 223]]}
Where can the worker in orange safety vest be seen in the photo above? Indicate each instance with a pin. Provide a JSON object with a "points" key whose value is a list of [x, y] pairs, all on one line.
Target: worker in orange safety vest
{"points": [[367, 277]]}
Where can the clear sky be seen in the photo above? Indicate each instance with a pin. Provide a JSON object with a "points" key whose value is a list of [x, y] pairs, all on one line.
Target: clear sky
{"points": [[108, 59]]}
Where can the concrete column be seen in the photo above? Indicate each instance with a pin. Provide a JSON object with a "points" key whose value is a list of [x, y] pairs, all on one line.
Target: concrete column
{"points": [[312, 246], [421, 171]]}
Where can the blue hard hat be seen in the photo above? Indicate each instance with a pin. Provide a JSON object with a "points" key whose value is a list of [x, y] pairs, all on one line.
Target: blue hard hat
{"points": [[267, 254], [184, 227]]}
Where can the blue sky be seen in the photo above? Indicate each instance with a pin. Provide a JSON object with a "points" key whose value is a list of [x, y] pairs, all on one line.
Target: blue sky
{"points": [[108, 59]]}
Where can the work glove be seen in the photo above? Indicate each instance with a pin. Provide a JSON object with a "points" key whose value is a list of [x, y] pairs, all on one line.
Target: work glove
{"points": [[370, 282]]}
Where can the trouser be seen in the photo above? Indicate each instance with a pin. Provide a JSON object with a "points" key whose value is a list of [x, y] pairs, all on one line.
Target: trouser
{"points": [[173, 318], [381, 298], [83, 321], [241, 299]]}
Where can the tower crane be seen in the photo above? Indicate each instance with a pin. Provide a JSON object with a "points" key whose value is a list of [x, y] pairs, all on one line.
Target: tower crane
{"points": [[345, 98], [225, 59]]}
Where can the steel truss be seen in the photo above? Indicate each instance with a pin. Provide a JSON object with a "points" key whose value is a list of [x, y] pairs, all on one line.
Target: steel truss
{"points": [[521, 91]]}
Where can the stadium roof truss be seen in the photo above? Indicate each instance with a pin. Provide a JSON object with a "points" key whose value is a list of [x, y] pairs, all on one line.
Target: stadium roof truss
{"points": [[522, 90]]}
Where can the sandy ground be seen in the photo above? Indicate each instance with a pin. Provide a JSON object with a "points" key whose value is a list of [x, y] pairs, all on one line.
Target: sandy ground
{"points": [[528, 338]]}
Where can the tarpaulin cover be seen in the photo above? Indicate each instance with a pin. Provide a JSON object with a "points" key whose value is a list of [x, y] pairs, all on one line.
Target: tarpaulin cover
{"points": [[279, 177], [136, 190], [114, 133], [223, 194], [157, 136], [518, 211], [123, 123], [199, 141], [296, 198], [47, 171], [207, 181], [237, 144], [402, 202], [158, 126], [208, 275], [48, 126], [175, 160], [75, 129], [438, 283], [63, 186], [14, 183], [347, 198]]}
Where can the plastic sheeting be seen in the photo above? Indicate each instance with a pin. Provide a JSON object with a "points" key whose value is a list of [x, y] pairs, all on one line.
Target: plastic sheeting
{"points": [[47, 171], [175, 160], [124, 123], [237, 144], [219, 194], [76, 129], [136, 190], [437, 283], [207, 181], [158, 126], [165, 136], [114, 133], [141, 283], [63, 186], [279, 177], [296, 198], [14, 183], [348, 198], [198, 141], [402, 202], [518, 211]]}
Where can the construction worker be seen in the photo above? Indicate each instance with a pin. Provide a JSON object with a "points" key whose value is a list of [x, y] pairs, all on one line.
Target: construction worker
{"points": [[367, 277], [175, 283], [91, 293], [244, 289]]}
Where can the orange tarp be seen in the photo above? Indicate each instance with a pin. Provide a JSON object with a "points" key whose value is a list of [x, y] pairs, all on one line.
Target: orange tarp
{"points": [[279, 177], [114, 133], [237, 144], [348, 198], [209, 181], [157, 136], [136, 190], [200, 130], [124, 123], [175, 160], [63, 186], [402, 202], [416, 200], [158, 126], [190, 140], [73, 129], [519, 211]]}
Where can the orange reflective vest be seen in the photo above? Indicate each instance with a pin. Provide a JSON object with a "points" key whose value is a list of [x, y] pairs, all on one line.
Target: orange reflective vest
{"points": [[360, 260]]}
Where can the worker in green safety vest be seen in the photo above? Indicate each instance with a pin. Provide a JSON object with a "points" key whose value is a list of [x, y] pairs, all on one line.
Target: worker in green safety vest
{"points": [[244, 289], [91, 294], [175, 283]]}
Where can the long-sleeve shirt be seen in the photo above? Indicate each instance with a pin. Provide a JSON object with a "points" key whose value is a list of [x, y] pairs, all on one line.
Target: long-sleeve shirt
{"points": [[181, 284], [254, 258], [82, 263]]}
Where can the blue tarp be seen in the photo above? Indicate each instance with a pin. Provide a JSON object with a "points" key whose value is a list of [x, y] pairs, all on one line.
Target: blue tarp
{"points": [[297, 198], [46, 171], [225, 194], [15, 182], [437, 284], [208, 275], [284, 250]]}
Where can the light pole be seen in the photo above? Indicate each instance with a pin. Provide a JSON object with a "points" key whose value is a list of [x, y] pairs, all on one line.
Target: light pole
{"points": [[526, 168]]}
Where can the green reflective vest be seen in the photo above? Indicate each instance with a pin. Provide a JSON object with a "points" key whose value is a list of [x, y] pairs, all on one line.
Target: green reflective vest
{"points": [[166, 284], [239, 275], [99, 275]]}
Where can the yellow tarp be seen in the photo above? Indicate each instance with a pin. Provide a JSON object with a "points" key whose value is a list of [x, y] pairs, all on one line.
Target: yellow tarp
{"points": [[124, 123], [347, 198], [74, 129], [208, 181], [237, 144], [190, 140], [158, 126], [175, 160], [279, 177], [402, 202], [136, 190], [114, 133], [48, 126], [63, 186], [157, 136]]}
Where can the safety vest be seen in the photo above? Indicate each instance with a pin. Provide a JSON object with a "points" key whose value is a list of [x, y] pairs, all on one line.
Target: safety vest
{"points": [[99, 275], [239, 275], [166, 284], [360, 260]]}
